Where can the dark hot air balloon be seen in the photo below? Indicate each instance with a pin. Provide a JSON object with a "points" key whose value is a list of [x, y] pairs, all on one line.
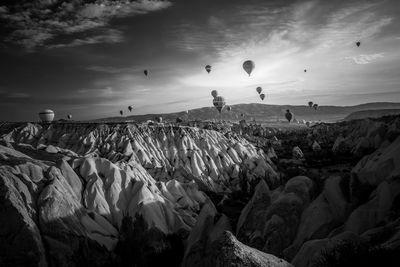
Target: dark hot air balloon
{"points": [[208, 68], [315, 106], [305, 70], [228, 108], [46, 115], [310, 104], [214, 93], [121, 112], [69, 116], [130, 108], [259, 90], [358, 44], [248, 66], [262, 96], [146, 72], [288, 115], [219, 103]]}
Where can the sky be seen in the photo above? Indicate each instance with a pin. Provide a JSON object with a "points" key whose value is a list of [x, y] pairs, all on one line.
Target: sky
{"points": [[86, 57]]}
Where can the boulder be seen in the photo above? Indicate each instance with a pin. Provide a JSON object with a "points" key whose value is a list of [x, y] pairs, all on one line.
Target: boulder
{"points": [[228, 251], [297, 153], [21, 243], [383, 164]]}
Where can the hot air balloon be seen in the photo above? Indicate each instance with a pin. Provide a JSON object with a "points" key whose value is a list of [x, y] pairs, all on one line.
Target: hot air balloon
{"points": [[228, 108], [46, 115], [248, 66], [146, 72], [310, 104], [305, 70], [262, 96], [214, 93], [219, 103], [130, 108], [208, 68], [308, 124], [259, 90], [242, 115], [358, 44], [288, 115], [69, 116], [315, 106], [121, 112]]}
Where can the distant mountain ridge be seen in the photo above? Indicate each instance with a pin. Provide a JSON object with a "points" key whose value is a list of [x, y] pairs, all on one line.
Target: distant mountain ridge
{"points": [[371, 114], [264, 112]]}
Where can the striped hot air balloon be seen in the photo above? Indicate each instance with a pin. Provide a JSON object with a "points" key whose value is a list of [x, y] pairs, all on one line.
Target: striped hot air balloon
{"points": [[46, 115]]}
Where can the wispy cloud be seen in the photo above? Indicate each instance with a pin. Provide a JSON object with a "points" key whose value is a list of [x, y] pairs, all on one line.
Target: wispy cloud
{"points": [[108, 91], [34, 23], [311, 35], [109, 37], [115, 70], [19, 95], [365, 59]]}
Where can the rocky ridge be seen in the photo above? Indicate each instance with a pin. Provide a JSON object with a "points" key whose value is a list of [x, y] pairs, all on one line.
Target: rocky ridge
{"points": [[99, 194]]}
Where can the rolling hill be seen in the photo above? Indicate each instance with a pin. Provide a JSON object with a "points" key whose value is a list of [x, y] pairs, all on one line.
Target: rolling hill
{"points": [[371, 114]]}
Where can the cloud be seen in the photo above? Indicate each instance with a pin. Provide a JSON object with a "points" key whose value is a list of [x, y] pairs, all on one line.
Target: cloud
{"points": [[107, 69], [114, 70], [365, 59], [110, 36], [32, 24], [104, 92], [18, 95], [285, 40]]}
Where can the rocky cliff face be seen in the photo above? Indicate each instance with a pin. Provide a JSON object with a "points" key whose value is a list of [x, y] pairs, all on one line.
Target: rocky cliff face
{"points": [[79, 194]]}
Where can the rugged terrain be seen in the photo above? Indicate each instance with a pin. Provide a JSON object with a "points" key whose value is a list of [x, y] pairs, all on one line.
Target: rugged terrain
{"points": [[120, 194]]}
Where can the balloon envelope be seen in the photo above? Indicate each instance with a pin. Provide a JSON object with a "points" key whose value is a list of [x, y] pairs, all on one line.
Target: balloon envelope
{"points": [[262, 96], [208, 68], [214, 93], [121, 112], [229, 108], [46, 115], [358, 44], [310, 104], [146, 72], [259, 90], [130, 108], [315, 106], [219, 103], [289, 115], [69, 116], [248, 66]]}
